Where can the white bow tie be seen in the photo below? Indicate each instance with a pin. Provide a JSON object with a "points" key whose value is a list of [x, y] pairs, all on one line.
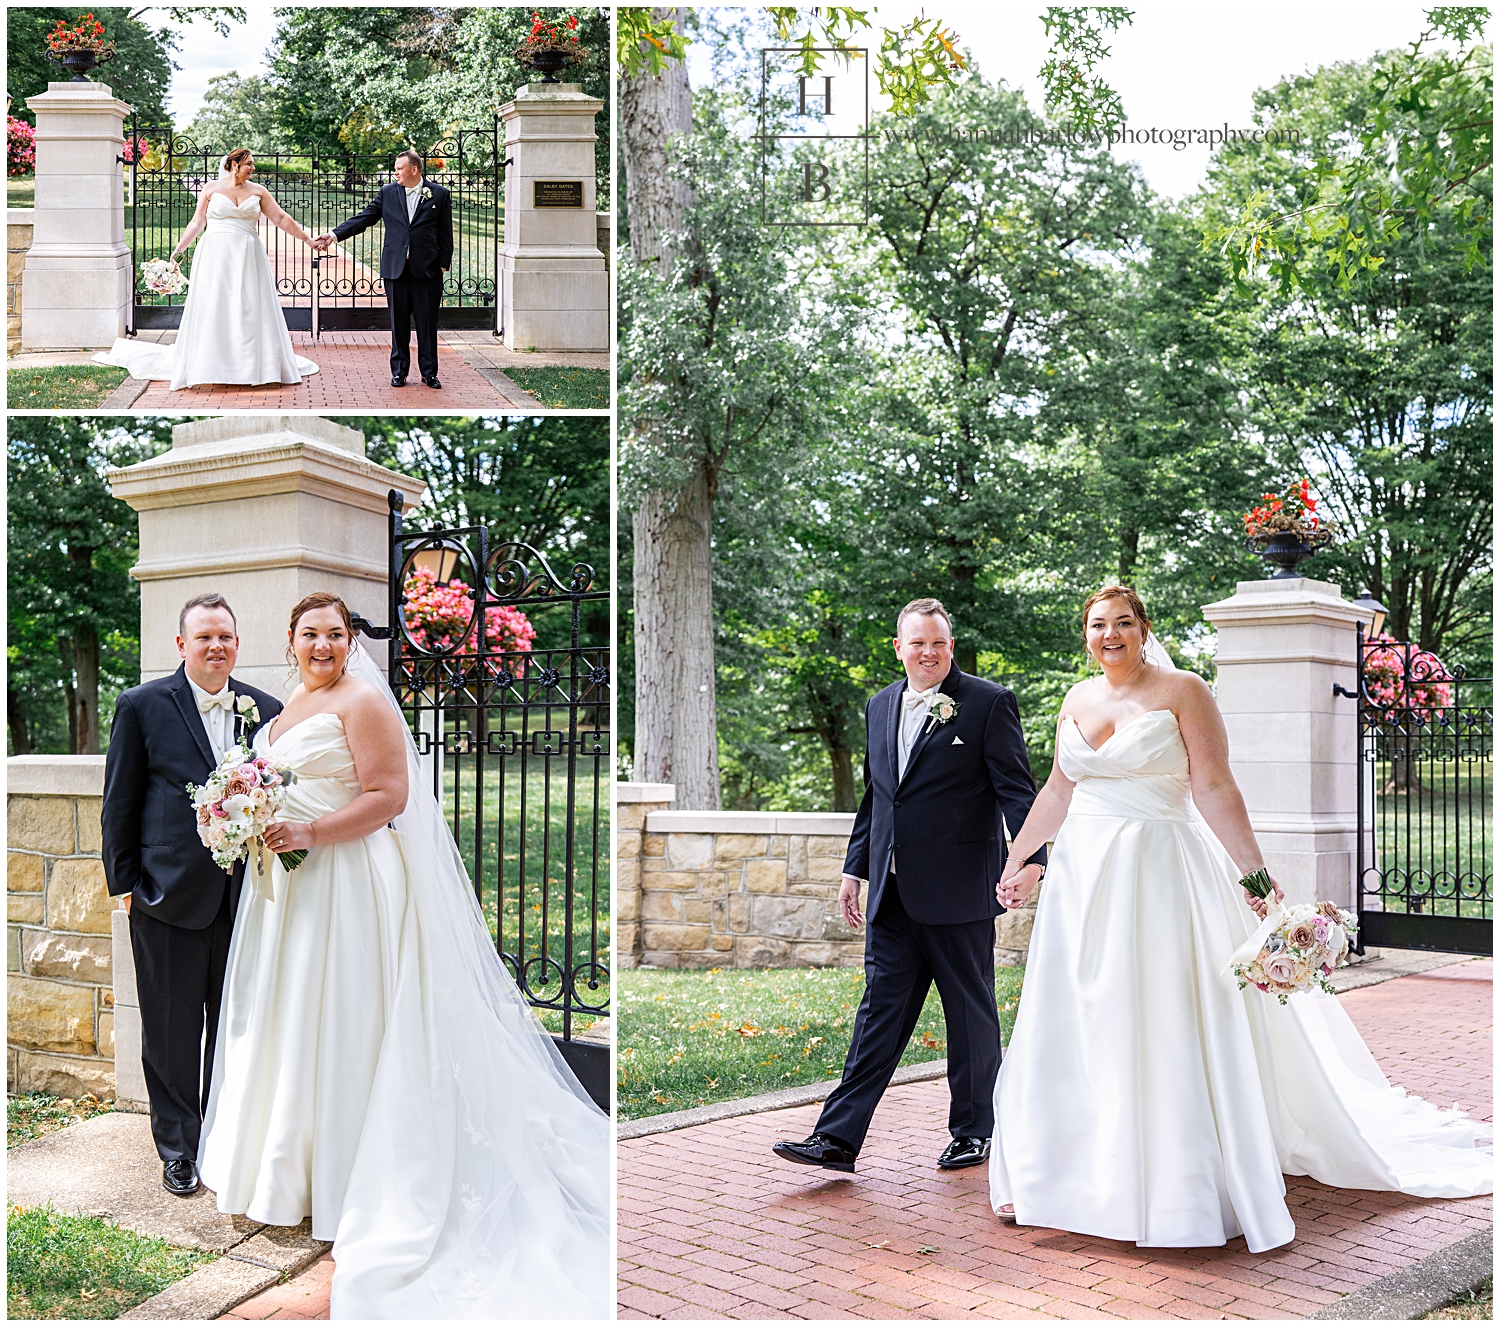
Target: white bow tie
{"points": [[911, 699], [224, 700]]}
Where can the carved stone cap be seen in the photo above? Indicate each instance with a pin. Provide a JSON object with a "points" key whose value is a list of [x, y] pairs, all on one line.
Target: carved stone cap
{"points": [[204, 432], [55, 776]]}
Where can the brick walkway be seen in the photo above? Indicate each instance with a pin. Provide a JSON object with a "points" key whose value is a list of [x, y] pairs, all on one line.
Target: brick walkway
{"points": [[712, 1225], [305, 1296], [354, 373]]}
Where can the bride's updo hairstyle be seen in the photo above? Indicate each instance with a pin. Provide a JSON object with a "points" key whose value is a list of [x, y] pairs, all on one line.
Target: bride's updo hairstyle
{"points": [[234, 160], [1115, 592], [307, 604]]}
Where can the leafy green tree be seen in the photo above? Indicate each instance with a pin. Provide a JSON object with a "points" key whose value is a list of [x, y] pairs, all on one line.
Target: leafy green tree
{"points": [[238, 112], [73, 609], [140, 73], [1380, 388]]}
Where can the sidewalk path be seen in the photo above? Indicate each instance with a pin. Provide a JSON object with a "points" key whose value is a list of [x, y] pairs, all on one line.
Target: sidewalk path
{"points": [[305, 1297], [711, 1225]]}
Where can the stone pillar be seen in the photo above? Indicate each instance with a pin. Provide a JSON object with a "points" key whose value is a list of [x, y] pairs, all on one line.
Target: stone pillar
{"points": [[20, 222], [1282, 645], [263, 509], [633, 803], [555, 288], [78, 281]]}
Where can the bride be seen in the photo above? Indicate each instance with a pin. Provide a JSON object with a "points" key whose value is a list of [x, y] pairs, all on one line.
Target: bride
{"points": [[1143, 1097], [232, 328], [376, 1067]]}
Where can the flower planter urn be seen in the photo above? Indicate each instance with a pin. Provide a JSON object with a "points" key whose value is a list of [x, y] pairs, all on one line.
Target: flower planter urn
{"points": [[1286, 549], [549, 63], [78, 62]]}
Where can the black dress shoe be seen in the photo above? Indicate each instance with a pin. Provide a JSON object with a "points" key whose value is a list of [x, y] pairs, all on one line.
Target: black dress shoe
{"points": [[819, 1150], [180, 1177], [432, 381], [397, 382], [963, 1152]]}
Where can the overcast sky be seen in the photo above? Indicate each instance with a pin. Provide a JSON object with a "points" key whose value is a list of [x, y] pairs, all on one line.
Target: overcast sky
{"points": [[1177, 66]]}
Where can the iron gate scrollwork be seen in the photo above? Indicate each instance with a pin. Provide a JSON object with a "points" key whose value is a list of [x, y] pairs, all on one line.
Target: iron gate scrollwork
{"points": [[516, 743], [1426, 755], [320, 186]]}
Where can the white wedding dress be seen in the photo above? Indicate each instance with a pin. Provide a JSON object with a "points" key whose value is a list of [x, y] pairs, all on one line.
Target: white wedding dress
{"points": [[377, 1069], [1143, 1097], [232, 328]]}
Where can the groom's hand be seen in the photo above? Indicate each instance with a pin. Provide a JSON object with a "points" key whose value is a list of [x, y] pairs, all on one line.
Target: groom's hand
{"points": [[849, 902], [1017, 882]]}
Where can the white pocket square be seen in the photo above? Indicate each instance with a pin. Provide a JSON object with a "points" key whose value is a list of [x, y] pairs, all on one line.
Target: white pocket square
{"points": [[958, 741]]}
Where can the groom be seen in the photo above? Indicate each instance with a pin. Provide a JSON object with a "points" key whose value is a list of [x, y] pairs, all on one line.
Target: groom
{"points": [[418, 249], [167, 734], [945, 774]]}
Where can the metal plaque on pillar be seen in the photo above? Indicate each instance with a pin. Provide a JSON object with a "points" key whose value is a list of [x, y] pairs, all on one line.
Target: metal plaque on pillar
{"points": [[558, 193]]}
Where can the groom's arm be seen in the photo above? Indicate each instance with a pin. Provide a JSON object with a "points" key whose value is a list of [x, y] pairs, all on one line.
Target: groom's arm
{"points": [[125, 776], [857, 858], [1010, 770], [372, 214], [445, 231]]}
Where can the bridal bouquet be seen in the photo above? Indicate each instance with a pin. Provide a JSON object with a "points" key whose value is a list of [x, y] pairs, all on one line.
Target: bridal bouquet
{"points": [[1295, 949], [241, 797], [162, 276]]}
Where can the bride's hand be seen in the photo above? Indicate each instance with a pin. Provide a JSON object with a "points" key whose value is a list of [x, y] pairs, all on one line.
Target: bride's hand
{"points": [[1259, 905], [288, 836]]}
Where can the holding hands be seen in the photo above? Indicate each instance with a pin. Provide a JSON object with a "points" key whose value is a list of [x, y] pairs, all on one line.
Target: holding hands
{"points": [[322, 243], [1016, 882]]}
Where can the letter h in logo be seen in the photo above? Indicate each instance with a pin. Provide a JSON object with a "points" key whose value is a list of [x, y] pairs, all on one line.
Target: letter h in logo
{"points": [[815, 163]]}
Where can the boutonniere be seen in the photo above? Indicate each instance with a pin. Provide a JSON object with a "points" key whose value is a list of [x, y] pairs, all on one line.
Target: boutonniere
{"points": [[246, 708], [942, 709], [426, 193]]}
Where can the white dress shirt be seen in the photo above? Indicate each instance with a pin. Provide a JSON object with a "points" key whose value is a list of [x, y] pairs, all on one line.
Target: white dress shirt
{"points": [[413, 197], [912, 719], [218, 722]]}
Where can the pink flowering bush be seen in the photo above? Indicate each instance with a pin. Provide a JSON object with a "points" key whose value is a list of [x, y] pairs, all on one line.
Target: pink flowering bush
{"points": [[436, 614], [1400, 676], [134, 145], [20, 147]]}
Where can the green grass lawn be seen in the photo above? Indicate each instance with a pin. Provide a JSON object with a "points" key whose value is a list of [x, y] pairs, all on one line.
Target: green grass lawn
{"points": [[692, 1037], [29, 1115], [83, 1267], [62, 386], [1441, 826], [563, 388], [1479, 1304], [20, 191]]}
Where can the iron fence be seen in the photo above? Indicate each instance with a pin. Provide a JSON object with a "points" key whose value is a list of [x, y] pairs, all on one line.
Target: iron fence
{"points": [[1426, 770], [320, 187]]}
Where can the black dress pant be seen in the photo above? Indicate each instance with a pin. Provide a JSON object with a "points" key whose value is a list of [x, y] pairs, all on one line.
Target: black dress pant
{"points": [[179, 978], [902, 960], [414, 300]]}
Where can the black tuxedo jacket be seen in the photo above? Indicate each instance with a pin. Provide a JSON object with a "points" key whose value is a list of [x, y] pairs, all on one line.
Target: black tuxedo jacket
{"points": [[428, 237], [151, 849], [967, 780]]}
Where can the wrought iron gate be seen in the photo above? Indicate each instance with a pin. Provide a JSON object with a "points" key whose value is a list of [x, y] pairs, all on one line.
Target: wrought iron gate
{"points": [[320, 187], [1426, 758], [516, 742]]}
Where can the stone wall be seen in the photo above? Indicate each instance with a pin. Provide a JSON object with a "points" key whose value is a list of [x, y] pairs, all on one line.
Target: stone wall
{"points": [[19, 224], [741, 889], [61, 1033]]}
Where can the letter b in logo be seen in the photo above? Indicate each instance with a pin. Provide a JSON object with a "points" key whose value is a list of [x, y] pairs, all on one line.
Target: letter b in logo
{"points": [[809, 183]]}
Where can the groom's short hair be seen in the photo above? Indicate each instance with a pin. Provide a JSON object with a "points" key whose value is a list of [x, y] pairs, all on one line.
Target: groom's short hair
{"points": [[923, 608], [204, 601], [414, 157]]}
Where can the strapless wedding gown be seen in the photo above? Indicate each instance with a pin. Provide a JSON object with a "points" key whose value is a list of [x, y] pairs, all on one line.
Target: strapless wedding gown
{"points": [[1143, 1097], [345, 1085], [232, 328]]}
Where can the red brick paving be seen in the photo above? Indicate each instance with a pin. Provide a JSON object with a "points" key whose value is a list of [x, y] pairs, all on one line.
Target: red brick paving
{"points": [[354, 374], [305, 1296], [712, 1226]]}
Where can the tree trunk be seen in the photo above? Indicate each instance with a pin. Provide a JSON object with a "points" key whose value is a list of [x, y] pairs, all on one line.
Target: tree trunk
{"points": [[676, 724], [1130, 550], [20, 735], [653, 111], [845, 797], [70, 692], [86, 670]]}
